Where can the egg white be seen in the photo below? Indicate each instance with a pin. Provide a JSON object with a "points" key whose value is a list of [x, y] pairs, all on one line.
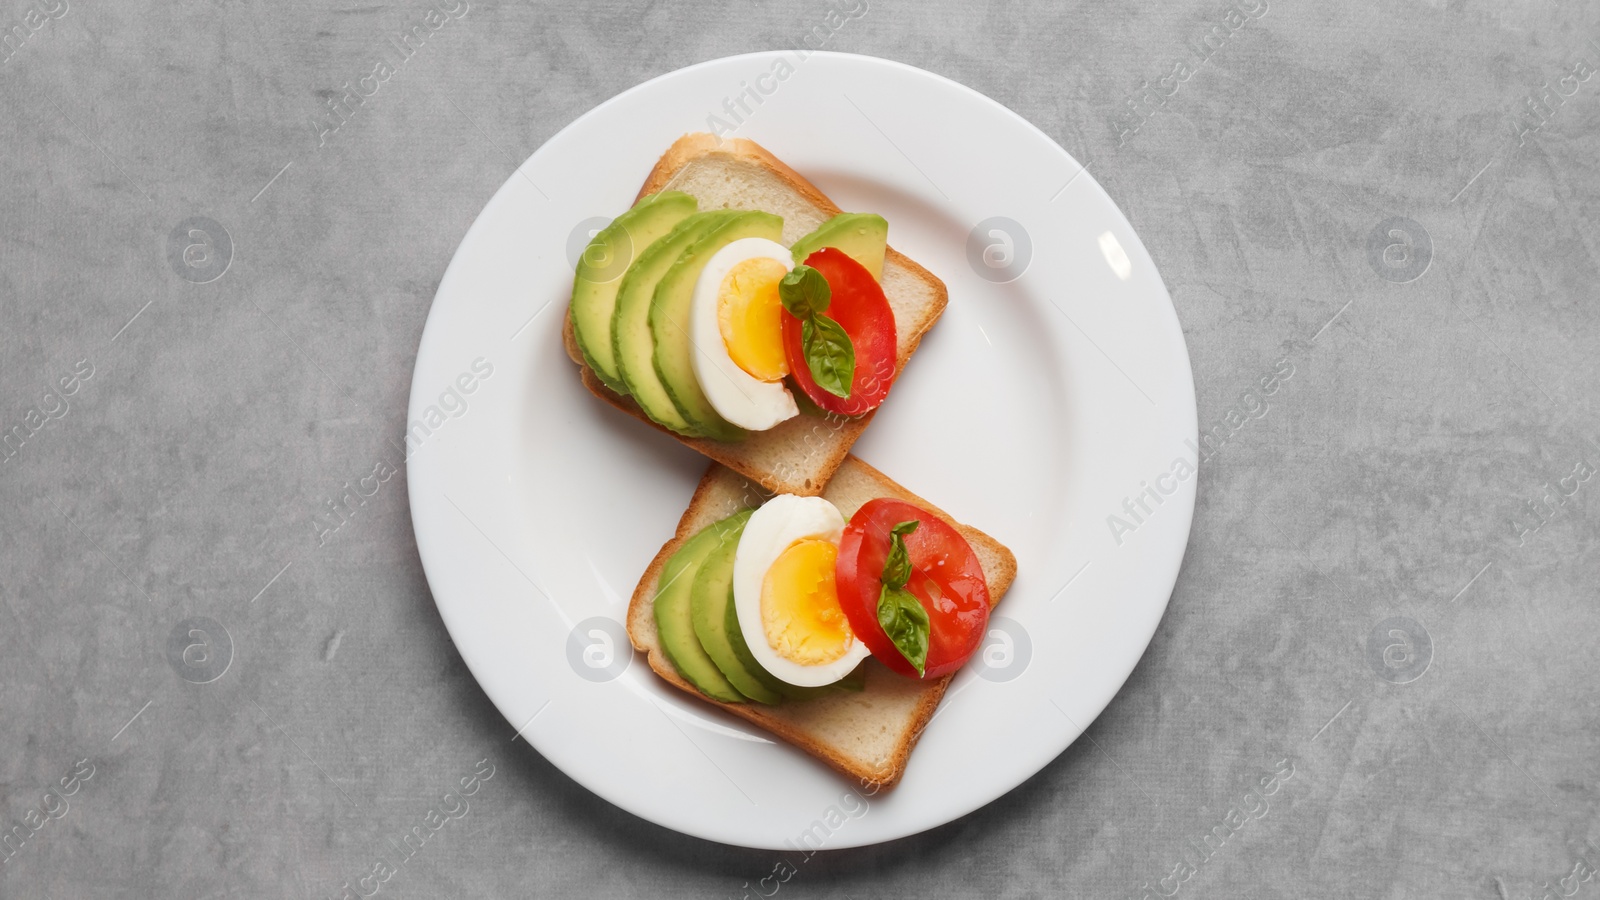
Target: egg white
{"points": [[772, 529], [735, 394]]}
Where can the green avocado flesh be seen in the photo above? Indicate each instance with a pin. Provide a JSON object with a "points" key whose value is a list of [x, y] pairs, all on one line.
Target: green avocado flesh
{"points": [[674, 615], [716, 623], [630, 322], [864, 237], [699, 624], [602, 266], [669, 319]]}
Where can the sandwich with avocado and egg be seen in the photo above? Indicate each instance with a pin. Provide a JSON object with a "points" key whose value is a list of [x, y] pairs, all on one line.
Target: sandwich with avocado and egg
{"points": [[738, 309], [836, 622]]}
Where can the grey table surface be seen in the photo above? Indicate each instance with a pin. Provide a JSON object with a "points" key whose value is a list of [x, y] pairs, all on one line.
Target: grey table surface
{"points": [[1389, 592]]}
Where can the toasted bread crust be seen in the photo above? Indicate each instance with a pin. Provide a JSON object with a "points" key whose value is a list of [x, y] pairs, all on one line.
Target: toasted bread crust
{"points": [[700, 143], [702, 508], [824, 455]]}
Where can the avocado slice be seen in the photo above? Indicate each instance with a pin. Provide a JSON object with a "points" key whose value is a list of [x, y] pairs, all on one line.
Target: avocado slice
{"points": [[864, 237], [716, 623], [674, 616], [630, 321], [669, 319], [600, 271]]}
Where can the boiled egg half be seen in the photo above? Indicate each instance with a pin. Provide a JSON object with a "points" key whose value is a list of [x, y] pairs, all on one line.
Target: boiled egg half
{"points": [[736, 326], [785, 595]]}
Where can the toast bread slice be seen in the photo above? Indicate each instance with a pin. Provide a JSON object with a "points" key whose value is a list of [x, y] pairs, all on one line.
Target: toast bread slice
{"points": [[800, 455], [867, 735]]}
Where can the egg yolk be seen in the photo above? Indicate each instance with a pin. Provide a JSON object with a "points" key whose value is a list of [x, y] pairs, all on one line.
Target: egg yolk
{"points": [[800, 605], [748, 314]]}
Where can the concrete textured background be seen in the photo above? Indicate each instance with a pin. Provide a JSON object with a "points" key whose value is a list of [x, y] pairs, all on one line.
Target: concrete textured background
{"points": [[1429, 460]]}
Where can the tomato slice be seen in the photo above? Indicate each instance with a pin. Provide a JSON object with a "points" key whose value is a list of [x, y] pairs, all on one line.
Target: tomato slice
{"points": [[946, 578], [859, 306]]}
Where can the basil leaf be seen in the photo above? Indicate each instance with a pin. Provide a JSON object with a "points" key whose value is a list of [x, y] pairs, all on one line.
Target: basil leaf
{"points": [[804, 292], [897, 567], [830, 355], [900, 613], [905, 622]]}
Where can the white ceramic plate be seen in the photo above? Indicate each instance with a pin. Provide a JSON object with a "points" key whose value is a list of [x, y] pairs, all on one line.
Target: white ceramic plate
{"points": [[1034, 408]]}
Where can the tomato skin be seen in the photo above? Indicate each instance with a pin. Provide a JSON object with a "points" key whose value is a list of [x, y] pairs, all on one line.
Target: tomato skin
{"points": [[859, 306], [946, 577]]}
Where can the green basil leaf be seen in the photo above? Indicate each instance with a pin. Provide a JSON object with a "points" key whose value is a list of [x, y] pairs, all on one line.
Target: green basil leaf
{"points": [[906, 624], [897, 567], [804, 292], [830, 355]]}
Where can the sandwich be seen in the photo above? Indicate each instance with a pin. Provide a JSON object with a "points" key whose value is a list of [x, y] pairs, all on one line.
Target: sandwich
{"points": [[737, 308], [834, 621]]}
